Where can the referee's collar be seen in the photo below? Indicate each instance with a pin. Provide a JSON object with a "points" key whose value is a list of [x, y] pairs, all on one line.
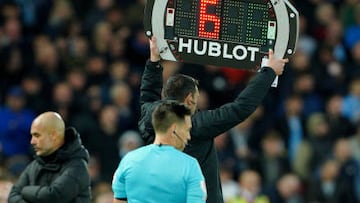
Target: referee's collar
{"points": [[163, 145]]}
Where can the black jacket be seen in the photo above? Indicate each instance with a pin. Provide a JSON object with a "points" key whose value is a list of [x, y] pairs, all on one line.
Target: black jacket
{"points": [[206, 125], [62, 177]]}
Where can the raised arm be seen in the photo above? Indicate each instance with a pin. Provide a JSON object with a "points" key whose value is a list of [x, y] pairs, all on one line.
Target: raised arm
{"points": [[152, 81], [209, 124], [150, 92]]}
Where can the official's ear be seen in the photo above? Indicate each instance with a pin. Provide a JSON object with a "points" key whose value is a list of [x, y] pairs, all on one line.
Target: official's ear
{"points": [[188, 100], [172, 128]]}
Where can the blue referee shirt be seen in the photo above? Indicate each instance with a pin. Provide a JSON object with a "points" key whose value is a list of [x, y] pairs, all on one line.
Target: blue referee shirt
{"points": [[159, 173]]}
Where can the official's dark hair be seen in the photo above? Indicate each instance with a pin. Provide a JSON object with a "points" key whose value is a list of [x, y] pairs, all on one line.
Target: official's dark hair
{"points": [[179, 86], [167, 113]]}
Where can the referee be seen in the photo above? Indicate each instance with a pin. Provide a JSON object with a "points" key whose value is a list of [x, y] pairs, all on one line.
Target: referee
{"points": [[160, 172]]}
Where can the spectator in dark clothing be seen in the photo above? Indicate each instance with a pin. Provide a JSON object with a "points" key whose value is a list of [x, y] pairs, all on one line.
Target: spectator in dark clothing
{"points": [[315, 149], [225, 149], [206, 125], [304, 85], [353, 65], [331, 186], [349, 170], [59, 172], [273, 162], [339, 125], [34, 91], [96, 14], [291, 125], [286, 190], [63, 99], [336, 181], [121, 96], [106, 150]]}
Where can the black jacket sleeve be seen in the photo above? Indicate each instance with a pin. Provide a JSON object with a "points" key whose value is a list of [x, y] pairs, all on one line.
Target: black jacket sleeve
{"points": [[15, 193], [150, 92], [63, 189], [211, 123], [151, 83]]}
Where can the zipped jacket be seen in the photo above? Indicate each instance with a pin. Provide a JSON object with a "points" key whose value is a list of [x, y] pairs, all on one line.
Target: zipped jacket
{"points": [[206, 124], [61, 178]]}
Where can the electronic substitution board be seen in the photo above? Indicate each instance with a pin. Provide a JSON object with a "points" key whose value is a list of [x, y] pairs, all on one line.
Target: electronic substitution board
{"points": [[232, 33]]}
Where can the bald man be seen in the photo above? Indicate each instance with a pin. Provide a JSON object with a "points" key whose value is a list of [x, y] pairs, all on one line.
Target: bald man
{"points": [[59, 172]]}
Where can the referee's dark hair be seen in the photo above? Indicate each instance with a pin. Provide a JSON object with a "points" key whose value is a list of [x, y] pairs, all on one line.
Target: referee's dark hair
{"points": [[167, 113]]}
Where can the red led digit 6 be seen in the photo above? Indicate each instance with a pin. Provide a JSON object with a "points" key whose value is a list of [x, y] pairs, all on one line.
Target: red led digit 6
{"points": [[204, 17]]}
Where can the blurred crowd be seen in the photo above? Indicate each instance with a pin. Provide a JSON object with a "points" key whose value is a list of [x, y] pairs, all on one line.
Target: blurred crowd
{"points": [[84, 59]]}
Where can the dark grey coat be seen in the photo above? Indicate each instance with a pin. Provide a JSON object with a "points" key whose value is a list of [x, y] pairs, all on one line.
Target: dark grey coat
{"points": [[62, 177]]}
